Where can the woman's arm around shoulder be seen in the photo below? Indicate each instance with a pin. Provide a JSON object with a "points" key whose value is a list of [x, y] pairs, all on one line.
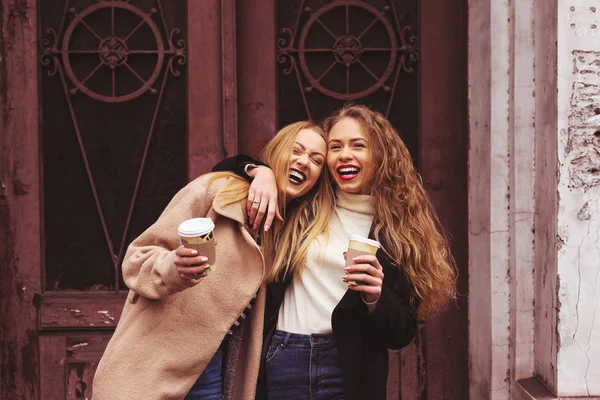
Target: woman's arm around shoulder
{"points": [[262, 195], [238, 165]]}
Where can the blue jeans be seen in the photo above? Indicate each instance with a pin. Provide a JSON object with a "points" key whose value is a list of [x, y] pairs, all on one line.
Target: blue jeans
{"points": [[303, 367], [209, 385]]}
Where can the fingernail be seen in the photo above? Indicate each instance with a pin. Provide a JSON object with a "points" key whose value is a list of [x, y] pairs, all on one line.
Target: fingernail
{"points": [[267, 227], [255, 227], [194, 252], [345, 277], [356, 259], [347, 269], [203, 259], [206, 266]]}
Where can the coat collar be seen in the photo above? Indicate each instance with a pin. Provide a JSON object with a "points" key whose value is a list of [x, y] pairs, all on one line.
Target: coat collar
{"points": [[233, 211]]}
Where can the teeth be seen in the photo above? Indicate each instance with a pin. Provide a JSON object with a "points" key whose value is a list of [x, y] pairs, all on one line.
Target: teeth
{"points": [[297, 176], [348, 170]]}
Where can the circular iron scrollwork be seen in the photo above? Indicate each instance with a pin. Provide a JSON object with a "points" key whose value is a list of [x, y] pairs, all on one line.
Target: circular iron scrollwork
{"points": [[112, 51], [347, 50]]}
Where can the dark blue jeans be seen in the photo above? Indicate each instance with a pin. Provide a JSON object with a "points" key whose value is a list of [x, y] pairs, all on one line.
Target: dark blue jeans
{"points": [[209, 385], [303, 367]]}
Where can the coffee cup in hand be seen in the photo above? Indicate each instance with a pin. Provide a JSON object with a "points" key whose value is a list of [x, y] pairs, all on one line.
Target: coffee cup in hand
{"points": [[358, 246], [198, 234]]}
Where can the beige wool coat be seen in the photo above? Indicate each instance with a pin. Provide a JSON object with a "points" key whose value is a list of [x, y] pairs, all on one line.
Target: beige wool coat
{"points": [[170, 328]]}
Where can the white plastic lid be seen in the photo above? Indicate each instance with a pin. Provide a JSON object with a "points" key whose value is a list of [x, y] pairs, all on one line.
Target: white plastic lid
{"points": [[358, 238], [195, 227]]}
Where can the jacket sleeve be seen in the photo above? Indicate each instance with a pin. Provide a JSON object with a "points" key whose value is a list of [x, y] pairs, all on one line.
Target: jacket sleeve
{"points": [[394, 319], [236, 164], [148, 267]]}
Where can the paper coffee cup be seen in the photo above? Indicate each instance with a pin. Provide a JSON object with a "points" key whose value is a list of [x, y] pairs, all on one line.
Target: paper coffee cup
{"points": [[197, 233], [358, 246]]}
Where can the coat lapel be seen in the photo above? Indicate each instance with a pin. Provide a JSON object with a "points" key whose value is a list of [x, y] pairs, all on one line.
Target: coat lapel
{"points": [[233, 211]]}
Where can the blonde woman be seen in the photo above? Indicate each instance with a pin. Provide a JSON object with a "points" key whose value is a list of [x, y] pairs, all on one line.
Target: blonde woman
{"points": [[181, 336], [327, 338]]}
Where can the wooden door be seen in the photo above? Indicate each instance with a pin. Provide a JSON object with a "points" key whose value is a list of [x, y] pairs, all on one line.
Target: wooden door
{"points": [[407, 59], [115, 106], [113, 152], [111, 106]]}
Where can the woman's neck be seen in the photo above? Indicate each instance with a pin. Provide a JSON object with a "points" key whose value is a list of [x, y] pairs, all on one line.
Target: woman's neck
{"points": [[362, 203]]}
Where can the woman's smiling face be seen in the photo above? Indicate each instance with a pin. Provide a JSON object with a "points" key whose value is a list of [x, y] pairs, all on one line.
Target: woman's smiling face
{"points": [[349, 157], [306, 163]]}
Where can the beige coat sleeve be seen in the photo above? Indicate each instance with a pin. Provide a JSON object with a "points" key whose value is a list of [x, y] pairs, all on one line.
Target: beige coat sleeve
{"points": [[148, 267]]}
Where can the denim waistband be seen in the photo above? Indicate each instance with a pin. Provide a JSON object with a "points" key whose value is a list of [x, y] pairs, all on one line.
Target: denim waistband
{"points": [[319, 340]]}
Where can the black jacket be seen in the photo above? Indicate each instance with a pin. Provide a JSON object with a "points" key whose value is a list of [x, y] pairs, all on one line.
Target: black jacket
{"points": [[362, 339]]}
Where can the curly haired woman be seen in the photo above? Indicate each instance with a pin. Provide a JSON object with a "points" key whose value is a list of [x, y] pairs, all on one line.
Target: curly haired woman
{"points": [[326, 337]]}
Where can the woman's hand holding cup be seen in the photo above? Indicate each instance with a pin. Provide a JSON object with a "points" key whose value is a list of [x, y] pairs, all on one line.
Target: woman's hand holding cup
{"points": [[190, 265], [363, 272], [365, 275], [197, 256]]}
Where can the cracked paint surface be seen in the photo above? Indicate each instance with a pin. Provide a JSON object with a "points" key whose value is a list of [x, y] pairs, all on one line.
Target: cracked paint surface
{"points": [[579, 205], [582, 150]]}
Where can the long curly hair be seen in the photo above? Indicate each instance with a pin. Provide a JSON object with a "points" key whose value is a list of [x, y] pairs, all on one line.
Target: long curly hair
{"points": [[405, 221]]}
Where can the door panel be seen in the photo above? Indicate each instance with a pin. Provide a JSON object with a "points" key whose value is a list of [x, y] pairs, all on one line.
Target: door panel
{"points": [[80, 310], [330, 53], [114, 112], [68, 363], [408, 61], [114, 151], [444, 140]]}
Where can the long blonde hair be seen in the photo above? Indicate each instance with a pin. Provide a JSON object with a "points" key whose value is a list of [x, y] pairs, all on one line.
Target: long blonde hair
{"points": [[286, 243], [405, 221]]}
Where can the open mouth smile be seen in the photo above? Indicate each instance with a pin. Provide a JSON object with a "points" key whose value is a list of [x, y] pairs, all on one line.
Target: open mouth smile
{"points": [[296, 177], [347, 172]]}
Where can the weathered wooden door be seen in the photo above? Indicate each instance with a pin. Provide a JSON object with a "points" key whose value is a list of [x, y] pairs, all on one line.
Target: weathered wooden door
{"points": [[112, 106], [406, 58], [113, 151]]}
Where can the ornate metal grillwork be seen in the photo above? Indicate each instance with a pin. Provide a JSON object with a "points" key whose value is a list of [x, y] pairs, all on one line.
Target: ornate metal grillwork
{"points": [[78, 62], [112, 51], [344, 45]]}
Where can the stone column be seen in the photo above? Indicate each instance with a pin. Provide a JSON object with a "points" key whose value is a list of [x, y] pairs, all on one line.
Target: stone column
{"points": [[578, 219], [534, 199], [501, 196]]}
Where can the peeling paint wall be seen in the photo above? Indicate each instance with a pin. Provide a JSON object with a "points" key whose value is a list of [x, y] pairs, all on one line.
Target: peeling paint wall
{"points": [[534, 197], [578, 328]]}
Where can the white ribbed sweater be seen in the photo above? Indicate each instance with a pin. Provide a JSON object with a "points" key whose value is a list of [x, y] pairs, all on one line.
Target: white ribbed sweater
{"points": [[310, 299]]}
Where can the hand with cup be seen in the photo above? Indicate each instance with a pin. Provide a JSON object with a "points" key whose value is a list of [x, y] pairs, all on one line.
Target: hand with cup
{"points": [[196, 257], [363, 272]]}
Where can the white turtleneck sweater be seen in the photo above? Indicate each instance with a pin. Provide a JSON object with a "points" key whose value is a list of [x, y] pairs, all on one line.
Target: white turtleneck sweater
{"points": [[310, 299]]}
